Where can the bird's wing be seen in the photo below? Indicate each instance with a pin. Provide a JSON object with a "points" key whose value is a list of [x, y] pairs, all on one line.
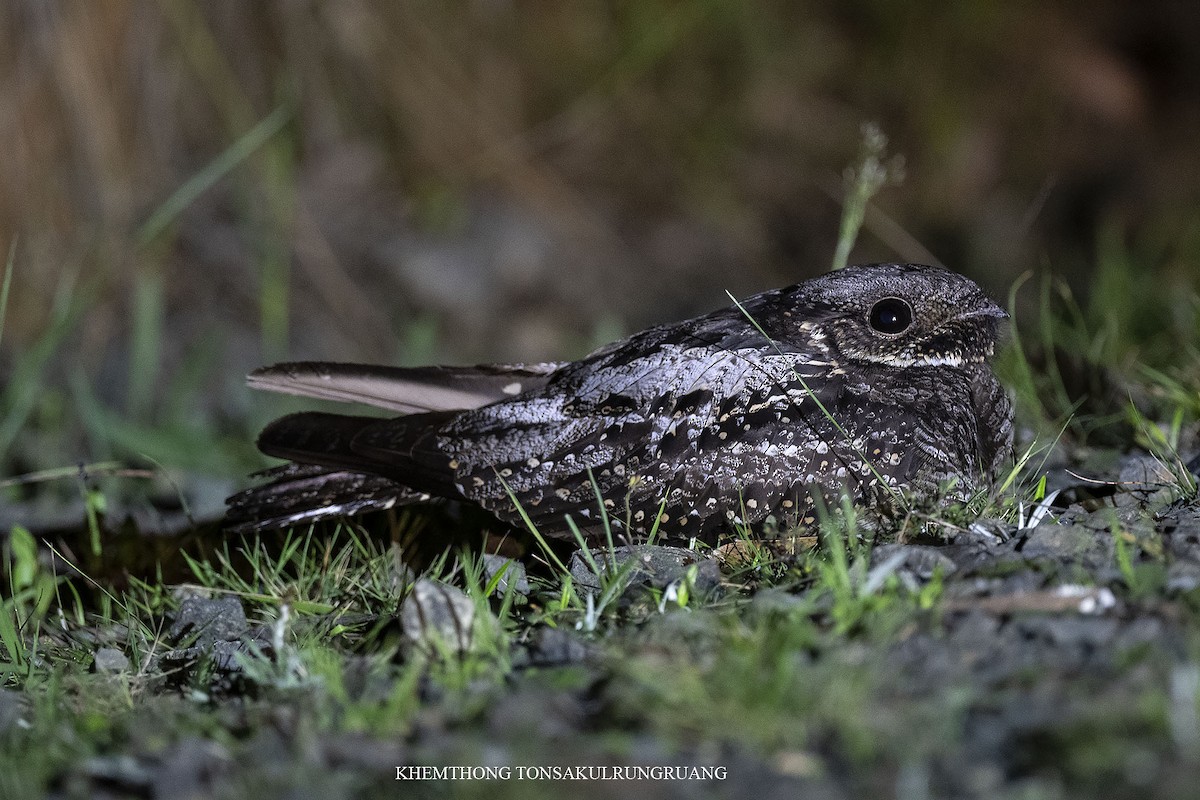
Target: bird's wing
{"points": [[719, 351], [639, 416], [406, 390], [994, 414], [299, 494]]}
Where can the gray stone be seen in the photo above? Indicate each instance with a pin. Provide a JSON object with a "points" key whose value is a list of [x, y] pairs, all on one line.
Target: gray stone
{"points": [[652, 565], [1069, 544], [12, 708], [920, 561], [1183, 576], [1145, 481], [437, 612], [225, 655], [191, 767], [1070, 631], [110, 659], [1144, 473], [513, 574], [1183, 523], [557, 647], [538, 710], [206, 621]]}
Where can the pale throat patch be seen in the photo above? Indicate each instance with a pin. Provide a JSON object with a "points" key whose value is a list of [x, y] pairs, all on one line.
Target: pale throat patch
{"points": [[947, 360]]}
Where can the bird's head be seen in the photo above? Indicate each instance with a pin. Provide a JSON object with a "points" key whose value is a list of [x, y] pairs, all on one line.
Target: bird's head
{"points": [[898, 315]]}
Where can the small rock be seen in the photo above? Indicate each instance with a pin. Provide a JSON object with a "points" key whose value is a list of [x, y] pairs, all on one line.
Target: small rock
{"points": [[12, 708], [513, 573], [190, 768], [920, 561], [1183, 522], [1145, 481], [1070, 630], [1142, 631], [557, 647], [209, 621], [436, 611], [110, 659], [1144, 473], [654, 565], [1069, 543], [225, 654], [539, 710], [1183, 576]]}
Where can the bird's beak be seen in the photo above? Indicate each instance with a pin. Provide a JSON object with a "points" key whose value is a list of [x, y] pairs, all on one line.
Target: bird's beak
{"points": [[987, 308]]}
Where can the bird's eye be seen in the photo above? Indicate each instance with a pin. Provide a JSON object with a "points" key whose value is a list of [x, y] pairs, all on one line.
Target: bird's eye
{"points": [[891, 315]]}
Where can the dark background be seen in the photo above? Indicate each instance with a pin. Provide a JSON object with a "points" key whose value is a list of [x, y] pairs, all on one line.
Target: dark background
{"points": [[484, 180]]}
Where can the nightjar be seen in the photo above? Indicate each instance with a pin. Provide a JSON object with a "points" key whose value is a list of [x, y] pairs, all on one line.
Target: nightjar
{"points": [[863, 383]]}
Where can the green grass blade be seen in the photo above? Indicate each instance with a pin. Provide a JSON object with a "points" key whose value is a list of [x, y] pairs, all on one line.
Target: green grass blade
{"points": [[146, 345], [207, 177], [8, 273], [20, 395], [863, 181], [537, 535]]}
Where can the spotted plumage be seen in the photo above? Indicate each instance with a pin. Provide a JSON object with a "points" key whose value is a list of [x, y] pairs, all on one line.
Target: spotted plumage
{"points": [[863, 383]]}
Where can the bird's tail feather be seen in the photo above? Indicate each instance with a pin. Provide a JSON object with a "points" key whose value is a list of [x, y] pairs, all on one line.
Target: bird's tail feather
{"points": [[345, 464], [403, 449], [406, 390], [300, 494]]}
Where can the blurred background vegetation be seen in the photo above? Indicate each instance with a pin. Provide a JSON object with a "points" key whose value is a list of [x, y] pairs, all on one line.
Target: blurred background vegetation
{"points": [[190, 189]]}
